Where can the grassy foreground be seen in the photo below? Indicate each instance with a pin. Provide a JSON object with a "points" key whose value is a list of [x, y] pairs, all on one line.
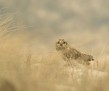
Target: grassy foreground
{"points": [[29, 68]]}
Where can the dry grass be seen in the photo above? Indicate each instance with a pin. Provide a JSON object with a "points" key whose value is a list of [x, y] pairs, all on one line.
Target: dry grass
{"points": [[31, 69]]}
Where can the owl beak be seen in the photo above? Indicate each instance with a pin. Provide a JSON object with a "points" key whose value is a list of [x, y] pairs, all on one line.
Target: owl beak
{"points": [[92, 59]]}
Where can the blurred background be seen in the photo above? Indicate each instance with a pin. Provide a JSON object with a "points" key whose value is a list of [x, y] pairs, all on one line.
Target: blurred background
{"points": [[29, 30], [83, 23], [52, 18]]}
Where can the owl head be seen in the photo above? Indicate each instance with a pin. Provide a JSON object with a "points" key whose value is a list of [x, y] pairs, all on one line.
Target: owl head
{"points": [[61, 44]]}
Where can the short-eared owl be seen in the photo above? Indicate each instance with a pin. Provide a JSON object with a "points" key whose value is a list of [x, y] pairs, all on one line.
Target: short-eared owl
{"points": [[71, 53]]}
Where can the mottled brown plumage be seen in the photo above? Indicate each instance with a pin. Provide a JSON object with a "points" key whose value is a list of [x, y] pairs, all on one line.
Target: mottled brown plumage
{"points": [[71, 53]]}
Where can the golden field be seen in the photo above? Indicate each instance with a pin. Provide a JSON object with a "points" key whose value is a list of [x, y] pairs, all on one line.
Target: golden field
{"points": [[31, 65], [29, 30]]}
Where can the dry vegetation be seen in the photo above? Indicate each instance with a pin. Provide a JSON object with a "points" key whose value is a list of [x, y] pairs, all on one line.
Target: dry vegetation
{"points": [[32, 68]]}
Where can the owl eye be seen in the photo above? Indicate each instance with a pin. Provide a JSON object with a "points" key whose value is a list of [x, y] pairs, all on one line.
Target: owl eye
{"points": [[64, 42], [58, 42]]}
